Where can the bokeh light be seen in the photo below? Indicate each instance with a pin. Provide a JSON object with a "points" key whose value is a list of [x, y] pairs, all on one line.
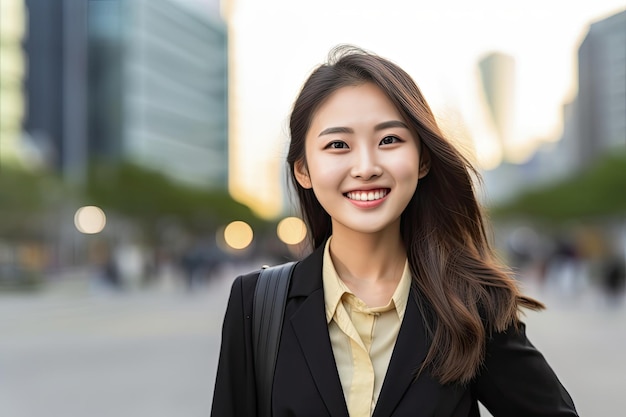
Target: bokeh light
{"points": [[238, 235], [291, 230], [90, 220]]}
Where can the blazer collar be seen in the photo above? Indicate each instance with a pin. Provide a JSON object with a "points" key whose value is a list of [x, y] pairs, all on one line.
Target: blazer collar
{"points": [[307, 276]]}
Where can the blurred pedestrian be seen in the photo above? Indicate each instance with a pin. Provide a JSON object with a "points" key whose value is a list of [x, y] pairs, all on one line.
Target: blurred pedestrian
{"points": [[614, 280], [105, 276], [402, 308]]}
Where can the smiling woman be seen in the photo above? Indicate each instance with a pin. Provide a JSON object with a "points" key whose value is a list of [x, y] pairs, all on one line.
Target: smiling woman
{"points": [[355, 137], [401, 309]]}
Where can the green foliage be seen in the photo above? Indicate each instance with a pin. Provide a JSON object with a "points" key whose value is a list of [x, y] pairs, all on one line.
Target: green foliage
{"points": [[148, 196], [140, 195], [25, 197], [599, 191], [20, 190]]}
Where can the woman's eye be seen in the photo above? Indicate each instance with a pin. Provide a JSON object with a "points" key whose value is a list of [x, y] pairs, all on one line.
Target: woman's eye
{"points": [[337, 145], [388, 140]]}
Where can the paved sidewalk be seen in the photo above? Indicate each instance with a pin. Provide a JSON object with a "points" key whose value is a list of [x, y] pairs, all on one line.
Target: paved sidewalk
{"points": [[71, 353]]}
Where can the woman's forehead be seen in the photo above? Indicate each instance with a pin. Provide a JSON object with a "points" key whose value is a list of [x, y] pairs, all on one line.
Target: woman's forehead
{"points": [[364, 103]]}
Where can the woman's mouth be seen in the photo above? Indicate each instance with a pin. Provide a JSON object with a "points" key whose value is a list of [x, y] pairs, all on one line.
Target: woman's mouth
{"points": [[369, 195]]}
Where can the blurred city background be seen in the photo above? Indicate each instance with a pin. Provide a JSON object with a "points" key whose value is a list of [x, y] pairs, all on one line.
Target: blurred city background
{"points": [[141, 169]]}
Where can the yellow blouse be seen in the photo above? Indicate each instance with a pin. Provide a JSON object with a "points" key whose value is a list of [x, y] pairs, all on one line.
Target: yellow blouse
{"points": [[362, 338]]}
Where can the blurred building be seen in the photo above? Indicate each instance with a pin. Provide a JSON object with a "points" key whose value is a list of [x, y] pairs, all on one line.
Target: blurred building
{"points": [[554, 161], [56, 84], [601, 101], [167, 64], [11, 78], [594, 122], [143, 81], [497, 71]]}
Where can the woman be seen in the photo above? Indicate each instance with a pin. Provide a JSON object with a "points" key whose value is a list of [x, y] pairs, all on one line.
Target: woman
{"points": [[401, 309]]}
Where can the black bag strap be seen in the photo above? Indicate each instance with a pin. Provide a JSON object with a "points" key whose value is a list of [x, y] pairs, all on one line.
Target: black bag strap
{"points": [[270, 297]]}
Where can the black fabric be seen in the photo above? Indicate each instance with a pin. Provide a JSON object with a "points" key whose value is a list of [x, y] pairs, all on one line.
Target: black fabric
{"points": [[515, 381]]}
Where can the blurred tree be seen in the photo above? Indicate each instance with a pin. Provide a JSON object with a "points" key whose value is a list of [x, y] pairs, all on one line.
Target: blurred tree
{"points": [[599, 191], [25, 198], [148, 196], [29, 198]]}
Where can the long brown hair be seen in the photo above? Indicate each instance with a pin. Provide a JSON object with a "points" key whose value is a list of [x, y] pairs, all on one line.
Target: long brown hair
{"points": [[463, 292]]}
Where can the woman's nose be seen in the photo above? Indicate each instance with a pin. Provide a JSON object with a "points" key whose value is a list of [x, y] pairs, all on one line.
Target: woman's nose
{"points": [[366, 165]]}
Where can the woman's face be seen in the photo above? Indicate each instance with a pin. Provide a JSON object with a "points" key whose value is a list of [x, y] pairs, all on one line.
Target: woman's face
{"points": [[362, 161]]}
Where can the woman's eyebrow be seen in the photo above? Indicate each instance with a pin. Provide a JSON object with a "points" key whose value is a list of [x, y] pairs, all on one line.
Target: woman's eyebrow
{"points": [[331, 130], [390, 124], [380, 126]]}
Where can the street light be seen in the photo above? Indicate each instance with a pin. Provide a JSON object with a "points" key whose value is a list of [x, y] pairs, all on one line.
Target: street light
{"points": [[291, 230], [238, 235], [90, 220]]}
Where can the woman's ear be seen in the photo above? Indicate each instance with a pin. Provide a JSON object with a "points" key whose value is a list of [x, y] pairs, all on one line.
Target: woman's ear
{"points": [[302, 174], [424, 162]]}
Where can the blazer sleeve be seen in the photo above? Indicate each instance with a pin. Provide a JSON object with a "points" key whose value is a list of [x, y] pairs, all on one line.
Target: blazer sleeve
{"points": [[235, 393], [516, 380]]}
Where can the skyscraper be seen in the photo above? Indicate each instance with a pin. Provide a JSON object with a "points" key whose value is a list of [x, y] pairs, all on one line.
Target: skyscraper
{"points": [[11, 77], [601, 101], [497, 72], [159, 77], [56, 83], [143, 81]]}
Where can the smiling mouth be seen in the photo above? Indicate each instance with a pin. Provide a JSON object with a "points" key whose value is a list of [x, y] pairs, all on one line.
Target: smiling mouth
{"points": [[370, 195]]}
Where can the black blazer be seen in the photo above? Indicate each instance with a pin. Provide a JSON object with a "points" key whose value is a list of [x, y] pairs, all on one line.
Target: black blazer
{"points": [[515, 381]]}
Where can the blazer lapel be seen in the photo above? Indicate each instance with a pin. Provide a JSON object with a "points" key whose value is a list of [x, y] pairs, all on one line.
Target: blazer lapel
{"points": [[308, 321], [408, 354], [310, 327]]}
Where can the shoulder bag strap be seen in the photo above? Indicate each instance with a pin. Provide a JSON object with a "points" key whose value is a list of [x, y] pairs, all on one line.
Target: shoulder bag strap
{"points": [[270, 297]]}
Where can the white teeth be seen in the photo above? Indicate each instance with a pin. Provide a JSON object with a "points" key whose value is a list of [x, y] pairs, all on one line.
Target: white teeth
{"points": [[367, 195]]}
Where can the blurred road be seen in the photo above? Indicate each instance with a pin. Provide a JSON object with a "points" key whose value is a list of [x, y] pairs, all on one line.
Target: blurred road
{"points": [[72, 353], [75, 352]]}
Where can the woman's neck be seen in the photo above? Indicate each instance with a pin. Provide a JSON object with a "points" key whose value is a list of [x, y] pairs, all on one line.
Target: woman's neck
{"points": [[371, 257]]}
